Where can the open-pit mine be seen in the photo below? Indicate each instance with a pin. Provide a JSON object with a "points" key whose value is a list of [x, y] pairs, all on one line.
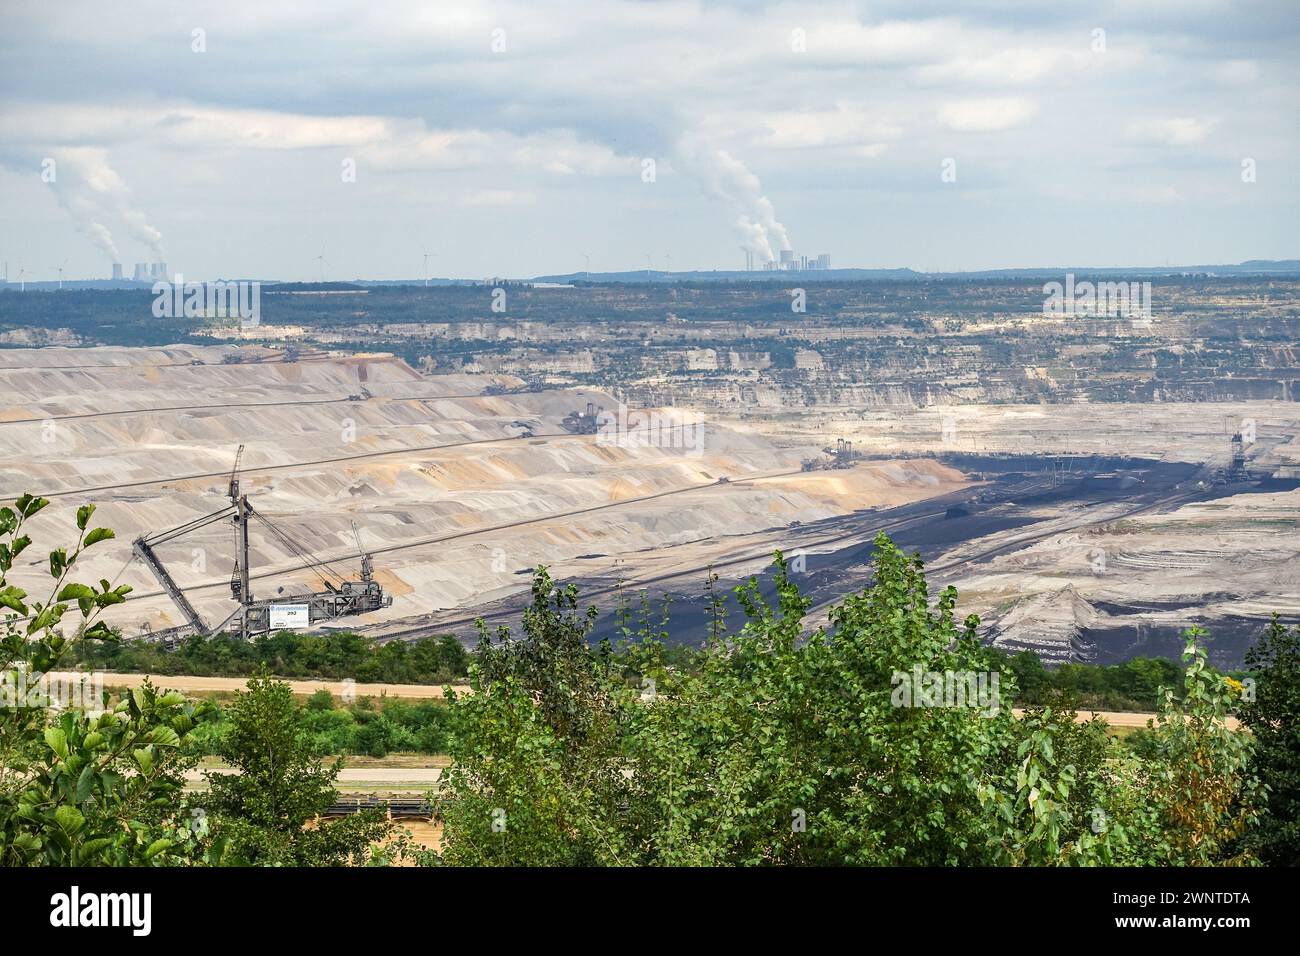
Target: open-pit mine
{"points": [[1090, 491]]}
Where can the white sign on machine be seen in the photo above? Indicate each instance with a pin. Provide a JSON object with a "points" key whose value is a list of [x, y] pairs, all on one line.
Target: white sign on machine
{"points": [[290, 615]]}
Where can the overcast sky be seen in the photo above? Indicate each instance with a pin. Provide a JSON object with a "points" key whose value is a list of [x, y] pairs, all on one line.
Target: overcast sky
{"points": [[512, 139]]}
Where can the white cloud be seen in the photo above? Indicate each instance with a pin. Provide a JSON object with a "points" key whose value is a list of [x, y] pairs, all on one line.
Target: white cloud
{"points": [[1007, 67], [1237, 72], [846, 125], [412, 91], [497, 197], [985, 115], [1171, 131]]}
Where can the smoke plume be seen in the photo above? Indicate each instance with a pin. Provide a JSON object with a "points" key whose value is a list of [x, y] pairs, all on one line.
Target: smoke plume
{"points": [[92, 192], [730, 181]]}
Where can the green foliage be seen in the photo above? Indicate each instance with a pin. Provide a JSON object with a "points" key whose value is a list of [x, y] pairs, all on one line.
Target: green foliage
{"points": [[1272, 718], [1132, 685], [537, 775], [335, 730], [288, 654], [887, 739], [789, 751], [263, 811], [88, 786], [1182, 797], [1051, 793], [1200, 778]]}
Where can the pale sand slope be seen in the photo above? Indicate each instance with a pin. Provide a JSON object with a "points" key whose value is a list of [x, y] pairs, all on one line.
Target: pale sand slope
{"points": [[1175, 431], [1230, 558], [443, 484]]}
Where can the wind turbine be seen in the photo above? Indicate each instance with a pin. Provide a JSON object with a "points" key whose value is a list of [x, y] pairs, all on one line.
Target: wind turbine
{"points": [[587, 273], [426, 268], [60, 268], [323, 263], [22, 285], [668, 262], [649, 267]]}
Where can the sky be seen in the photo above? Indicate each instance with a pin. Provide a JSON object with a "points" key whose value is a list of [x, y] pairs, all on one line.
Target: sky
{"points": [[307, 139]]}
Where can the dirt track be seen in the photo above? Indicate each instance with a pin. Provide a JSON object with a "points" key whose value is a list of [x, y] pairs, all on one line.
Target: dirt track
{"points": [[227, 685], [395, 778], [1120, 718], [200, 685]]}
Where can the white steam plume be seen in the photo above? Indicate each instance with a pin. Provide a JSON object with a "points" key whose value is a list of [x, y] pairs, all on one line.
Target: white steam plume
{"points": [[140, 229], [90, 190], [71, 191], [92, 228], [730, 180]]}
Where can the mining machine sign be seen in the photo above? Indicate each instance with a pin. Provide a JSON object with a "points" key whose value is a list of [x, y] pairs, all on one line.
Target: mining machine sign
{"points": [[290, 615]]}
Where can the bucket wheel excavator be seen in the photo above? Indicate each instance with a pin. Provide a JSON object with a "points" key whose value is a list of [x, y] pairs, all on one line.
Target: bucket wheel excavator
{"points": [[339, 598]]}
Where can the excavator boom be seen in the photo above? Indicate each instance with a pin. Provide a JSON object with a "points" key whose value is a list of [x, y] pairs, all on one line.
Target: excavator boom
{"points": [[146, 554]]}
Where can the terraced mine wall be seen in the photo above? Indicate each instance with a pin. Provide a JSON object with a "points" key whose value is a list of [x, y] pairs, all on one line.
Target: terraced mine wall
{"points": [[1016, 503], [456, 483], [916, 343]]}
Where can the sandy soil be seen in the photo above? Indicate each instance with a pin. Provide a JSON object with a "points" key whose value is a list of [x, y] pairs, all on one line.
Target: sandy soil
{"points": [[455, 492], [394, 778], [426, 691], [1117, 718], [305, 688]]}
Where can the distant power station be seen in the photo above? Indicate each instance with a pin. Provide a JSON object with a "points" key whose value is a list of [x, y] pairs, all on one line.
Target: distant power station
{"points": [[144, 271], [789, 262]]}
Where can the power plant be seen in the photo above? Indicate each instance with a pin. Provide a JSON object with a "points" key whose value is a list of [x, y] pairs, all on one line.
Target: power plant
{"points": [[790, 262], [145, 271]]}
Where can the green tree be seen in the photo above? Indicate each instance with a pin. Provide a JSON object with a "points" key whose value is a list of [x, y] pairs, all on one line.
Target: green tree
{"points": [[885, 739], [1049, 801], [794, 748], [1202, 797], [91, 785], [536, 775], [268, 810], [1203, 779], [1272, 718]]}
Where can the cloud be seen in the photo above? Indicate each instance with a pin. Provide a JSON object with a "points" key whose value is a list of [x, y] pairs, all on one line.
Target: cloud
{"points": [[766, 133], [845, 125], [87, 187], [1171, 131], [985, 115], [497, 197], [729, 180], [1237, 72], [1023, 66]]}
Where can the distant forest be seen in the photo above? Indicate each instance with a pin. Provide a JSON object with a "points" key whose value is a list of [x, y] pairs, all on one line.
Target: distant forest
{"points": [[125, 317]]}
